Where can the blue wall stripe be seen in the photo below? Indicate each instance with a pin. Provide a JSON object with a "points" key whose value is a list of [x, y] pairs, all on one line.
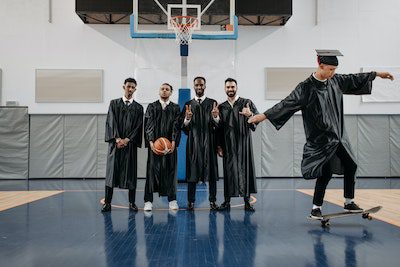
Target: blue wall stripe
{"points": [[184, 96]]}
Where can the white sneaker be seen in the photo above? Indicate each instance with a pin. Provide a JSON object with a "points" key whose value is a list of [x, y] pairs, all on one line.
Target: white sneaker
{"points": [[173, 212], [147, 214], [148, 206], [173, 205]]}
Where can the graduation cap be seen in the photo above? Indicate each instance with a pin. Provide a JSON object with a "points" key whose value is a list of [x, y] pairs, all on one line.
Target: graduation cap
{"points": [[328, 57]]}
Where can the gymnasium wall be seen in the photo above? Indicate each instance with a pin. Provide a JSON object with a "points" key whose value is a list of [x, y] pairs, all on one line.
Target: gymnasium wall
{"points": [[367, 33], [72, 146], [57, 140]]}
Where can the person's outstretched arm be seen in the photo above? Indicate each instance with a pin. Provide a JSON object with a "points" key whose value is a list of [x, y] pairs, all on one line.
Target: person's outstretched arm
{"points": [[358, 83], [279, 114]]}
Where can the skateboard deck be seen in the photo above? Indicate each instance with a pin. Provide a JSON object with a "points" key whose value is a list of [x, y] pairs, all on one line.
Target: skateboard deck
{"points": [[365, 215]]}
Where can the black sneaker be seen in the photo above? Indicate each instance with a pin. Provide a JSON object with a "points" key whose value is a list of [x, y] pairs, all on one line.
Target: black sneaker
{"points": [[133, 207], [249, 207], [352, 207], [106, 207], [190, 206], [224, 206], [316, 213], [213, 206]]}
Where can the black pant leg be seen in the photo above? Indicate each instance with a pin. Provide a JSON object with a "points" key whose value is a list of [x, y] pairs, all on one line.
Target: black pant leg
{"points": [[212, 190], [148, 194], [108, 194], [132, 195], [192, 191], [171, 197], [321, 184], [350, 169]]}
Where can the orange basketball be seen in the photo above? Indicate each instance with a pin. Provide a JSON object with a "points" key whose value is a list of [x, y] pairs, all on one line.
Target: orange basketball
{"points": [[162, 145]]}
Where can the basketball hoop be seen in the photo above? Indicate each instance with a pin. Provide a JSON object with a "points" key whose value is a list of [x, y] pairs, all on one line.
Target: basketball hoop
{"points": [[183, 27]]}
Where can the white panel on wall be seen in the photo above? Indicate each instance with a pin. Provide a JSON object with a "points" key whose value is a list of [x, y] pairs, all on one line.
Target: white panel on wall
{"points": [[279, 82], [69, 85]]}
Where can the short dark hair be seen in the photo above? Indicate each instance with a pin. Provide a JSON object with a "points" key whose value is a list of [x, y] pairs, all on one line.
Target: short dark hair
{"points": [[170, 86], [230, 80], [199, 77], [130, 80]]}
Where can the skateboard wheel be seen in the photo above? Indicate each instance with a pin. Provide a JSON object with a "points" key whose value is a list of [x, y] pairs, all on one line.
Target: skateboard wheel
{"points": [[366, 216], [369, 218], [325, 223]]}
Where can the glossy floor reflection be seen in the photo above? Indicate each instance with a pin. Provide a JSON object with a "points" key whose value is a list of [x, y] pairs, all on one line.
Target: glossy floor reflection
{"points": [[68, 229]]}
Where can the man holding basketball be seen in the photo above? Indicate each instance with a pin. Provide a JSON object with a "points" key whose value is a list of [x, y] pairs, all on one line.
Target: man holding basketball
{"points": [[201, 150], [161, 120], [235, 145], [124, 127]]}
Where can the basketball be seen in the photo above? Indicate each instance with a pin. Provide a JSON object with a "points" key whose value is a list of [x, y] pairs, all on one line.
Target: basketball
{"points": [[162, 145]]}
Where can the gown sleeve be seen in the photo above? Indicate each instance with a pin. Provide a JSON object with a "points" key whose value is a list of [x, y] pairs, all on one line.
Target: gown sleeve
{"points": [[279, 114], [253, 109], [185, 128], [355, 84], [111, 124]]}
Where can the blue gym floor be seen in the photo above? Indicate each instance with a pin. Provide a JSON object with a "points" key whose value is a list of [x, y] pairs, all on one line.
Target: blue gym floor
{"points": [[68, 229]]}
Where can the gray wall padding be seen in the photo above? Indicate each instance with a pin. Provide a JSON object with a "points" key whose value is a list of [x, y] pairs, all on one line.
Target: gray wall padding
{"points": [[46, 146], [69, 146], [257, 148], [14, 143], [102, 146], [350, 124], [394, 145], [373, 146], [276, 146], [299, 141], [80, 146]]}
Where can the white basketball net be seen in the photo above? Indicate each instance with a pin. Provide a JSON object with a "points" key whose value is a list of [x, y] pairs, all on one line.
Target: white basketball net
{"points": [[183, 27]]}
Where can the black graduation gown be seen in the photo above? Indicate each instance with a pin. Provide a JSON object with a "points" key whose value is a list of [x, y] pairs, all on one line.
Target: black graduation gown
{"points": [[123, 121], [321, 104], [161, 170], [235, 139], [201, 151]]}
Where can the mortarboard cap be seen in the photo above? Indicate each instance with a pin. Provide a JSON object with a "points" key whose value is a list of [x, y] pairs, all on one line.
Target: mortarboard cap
{"points": [[328, 57]]}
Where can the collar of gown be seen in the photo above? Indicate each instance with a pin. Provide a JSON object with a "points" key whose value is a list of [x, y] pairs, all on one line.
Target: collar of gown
{"points": [[164, 103], [232, 103], [126, 99]]}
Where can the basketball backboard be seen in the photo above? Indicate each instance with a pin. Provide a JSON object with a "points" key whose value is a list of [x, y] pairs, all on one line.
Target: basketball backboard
{"points": [[152, 18]]}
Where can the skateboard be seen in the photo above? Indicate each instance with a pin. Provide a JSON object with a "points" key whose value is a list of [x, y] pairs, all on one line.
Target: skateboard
{"points": [[365, 214]]}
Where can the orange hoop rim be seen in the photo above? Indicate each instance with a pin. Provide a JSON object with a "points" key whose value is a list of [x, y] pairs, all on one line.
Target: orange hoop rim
{"points": [[188, 24]]}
